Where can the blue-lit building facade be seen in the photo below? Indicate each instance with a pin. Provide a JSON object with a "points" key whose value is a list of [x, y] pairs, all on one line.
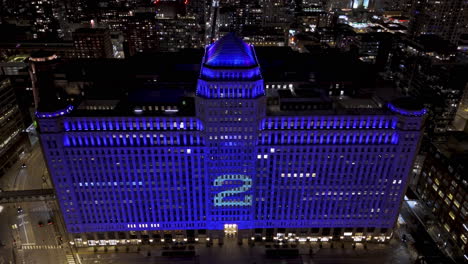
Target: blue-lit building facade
{"points": [[234, 166]]}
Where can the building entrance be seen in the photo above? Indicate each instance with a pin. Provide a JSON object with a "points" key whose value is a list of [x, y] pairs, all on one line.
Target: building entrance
{"points": [[230, 230]]}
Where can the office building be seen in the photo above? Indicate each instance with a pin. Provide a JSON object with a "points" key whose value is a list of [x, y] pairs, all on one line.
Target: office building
{"points": [[92, 43], [426, 69], [12, 139], [47, 15], [223, 161], [397, 5], [460, 121], [443, 187], [146, 32], [445, 18], [362, 4]]}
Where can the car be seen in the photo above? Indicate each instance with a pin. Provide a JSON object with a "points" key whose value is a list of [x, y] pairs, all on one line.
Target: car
{"points": [[50, 222], [40, 224], [23, 165], [19, 210]]}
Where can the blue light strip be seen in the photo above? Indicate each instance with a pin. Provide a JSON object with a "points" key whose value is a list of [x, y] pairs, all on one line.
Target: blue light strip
{"points": [[333, 123], [132, 140], [406, 112], [231, 89], [133, 124], [237, 75], [329, 138], [54, 114]]}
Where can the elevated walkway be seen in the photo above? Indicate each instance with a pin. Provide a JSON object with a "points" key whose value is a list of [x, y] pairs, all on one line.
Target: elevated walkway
{"points": [[27, 196]]}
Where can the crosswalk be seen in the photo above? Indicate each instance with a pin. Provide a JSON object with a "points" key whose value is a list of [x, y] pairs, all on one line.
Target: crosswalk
{"points": [[70, 259], [40, 247]]}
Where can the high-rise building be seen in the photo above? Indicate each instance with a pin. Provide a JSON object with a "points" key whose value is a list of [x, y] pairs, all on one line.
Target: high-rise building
{"points": [[92, 43], [348, 4], [443, 187], [47, 16], [460, 121], [223, 160], [149, 32], [12, 139], [426, 69], [397, 5], [262, 23], [365, 4], [445, 18]]}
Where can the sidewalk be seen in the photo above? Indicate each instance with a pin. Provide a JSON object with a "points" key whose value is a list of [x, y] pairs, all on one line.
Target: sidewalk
{"points": [[394, 252]]}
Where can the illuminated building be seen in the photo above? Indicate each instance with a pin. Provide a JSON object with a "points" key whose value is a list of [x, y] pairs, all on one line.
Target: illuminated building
{"points": [[146, 32], [47, 15], [228, 162], [365, 4]]}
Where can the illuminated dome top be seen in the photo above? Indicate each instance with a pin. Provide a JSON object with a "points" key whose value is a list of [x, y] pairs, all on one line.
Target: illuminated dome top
{"points": [[230, 51]]}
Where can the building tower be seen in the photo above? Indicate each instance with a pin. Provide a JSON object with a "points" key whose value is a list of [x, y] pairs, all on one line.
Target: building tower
{"points": [[230, 102]]}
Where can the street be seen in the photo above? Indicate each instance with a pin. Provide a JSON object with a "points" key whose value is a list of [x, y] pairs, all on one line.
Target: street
{"points": [[20, 233], [32, 243], [18, 178]]}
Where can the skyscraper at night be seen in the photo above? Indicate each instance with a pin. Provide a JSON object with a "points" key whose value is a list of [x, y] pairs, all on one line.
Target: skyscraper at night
{"points": [[225, 161], [445, 18]]}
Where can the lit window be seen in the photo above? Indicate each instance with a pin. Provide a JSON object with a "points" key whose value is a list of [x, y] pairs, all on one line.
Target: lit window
{"points": [[450, 196], [452, 215], [447, 227]]}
